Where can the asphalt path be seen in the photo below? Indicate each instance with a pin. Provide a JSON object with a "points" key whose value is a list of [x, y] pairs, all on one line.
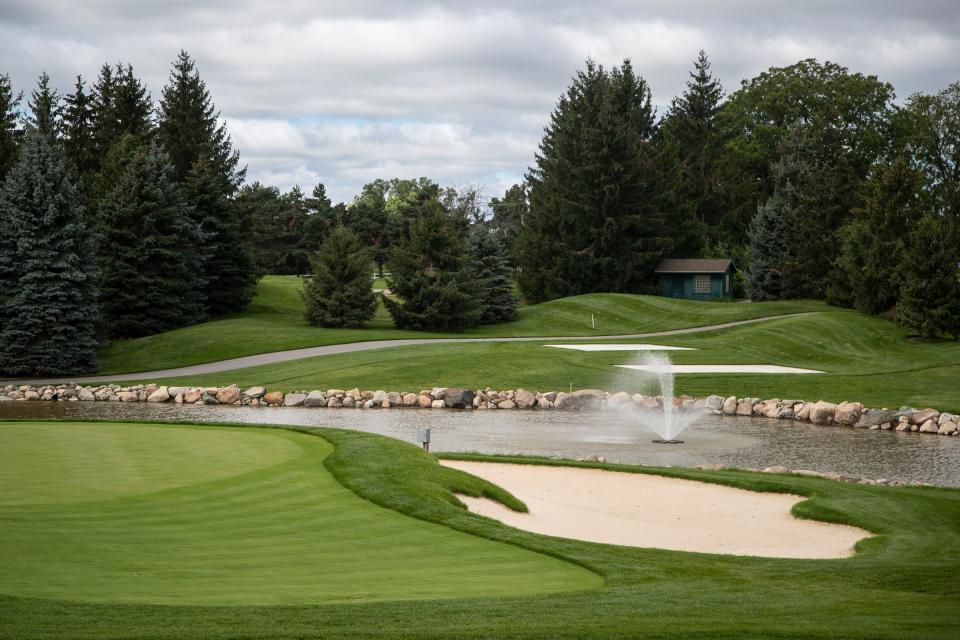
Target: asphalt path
{"points": [[275, 357]]}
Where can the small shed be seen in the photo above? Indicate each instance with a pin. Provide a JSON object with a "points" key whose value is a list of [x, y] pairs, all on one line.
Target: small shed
{"points": [[696, 279]]}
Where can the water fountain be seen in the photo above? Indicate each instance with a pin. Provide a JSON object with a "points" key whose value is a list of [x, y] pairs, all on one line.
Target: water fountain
{"points": [[663, 417]]}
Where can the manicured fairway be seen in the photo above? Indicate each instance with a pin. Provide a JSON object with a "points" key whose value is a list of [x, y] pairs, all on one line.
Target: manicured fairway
{"points": [[130, 513], [902, 583], [865, 359], [274, 322]]}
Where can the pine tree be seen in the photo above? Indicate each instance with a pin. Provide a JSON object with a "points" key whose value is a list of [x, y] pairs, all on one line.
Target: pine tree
{"points": [[106, 130], [596, 219], [930, 270], [228, 265], [45, 108], [430, 276], [132, 105], [491, 265], [48, 294], [189, 127], [149, 256], [9, 115], [340, 293], [508, 214], [78, 143]]}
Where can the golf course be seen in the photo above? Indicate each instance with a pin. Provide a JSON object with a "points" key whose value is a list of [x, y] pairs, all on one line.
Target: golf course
{"points": [[145, 530]]}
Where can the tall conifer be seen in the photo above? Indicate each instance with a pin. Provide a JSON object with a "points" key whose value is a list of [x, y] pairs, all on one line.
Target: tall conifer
{"points": [[340, 293], [78, 143], [9, 116], [45, 108]]}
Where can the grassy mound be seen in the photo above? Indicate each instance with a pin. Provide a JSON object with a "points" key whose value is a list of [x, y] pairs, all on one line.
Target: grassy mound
{"points": [[149, 514], [901, 583], [274, 322]]}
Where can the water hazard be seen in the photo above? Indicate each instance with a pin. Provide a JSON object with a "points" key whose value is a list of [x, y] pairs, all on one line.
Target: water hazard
{"points": [[740, 442]]}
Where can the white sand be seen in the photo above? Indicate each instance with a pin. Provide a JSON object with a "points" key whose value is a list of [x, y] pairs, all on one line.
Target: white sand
{"points": [[724, 368], [641, 510], [618, 347]]}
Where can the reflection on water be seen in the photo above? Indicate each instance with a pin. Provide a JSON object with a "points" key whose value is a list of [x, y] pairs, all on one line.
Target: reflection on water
{"points": [[740, 442]]}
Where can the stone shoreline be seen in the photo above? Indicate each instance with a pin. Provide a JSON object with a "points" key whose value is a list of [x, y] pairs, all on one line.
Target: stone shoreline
{"points": [[849, 414]]}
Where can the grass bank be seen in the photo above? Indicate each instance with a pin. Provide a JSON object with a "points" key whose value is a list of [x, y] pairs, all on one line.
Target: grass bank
{"points": [[901, 583]]}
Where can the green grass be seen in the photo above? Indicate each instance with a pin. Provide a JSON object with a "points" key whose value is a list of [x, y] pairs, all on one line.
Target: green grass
{"points": [[900, 584], [274, 322], [154, 514], [865, 358]]}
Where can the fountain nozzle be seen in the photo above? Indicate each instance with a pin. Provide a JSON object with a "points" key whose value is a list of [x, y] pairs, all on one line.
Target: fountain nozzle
{"points": [[660, 441]]}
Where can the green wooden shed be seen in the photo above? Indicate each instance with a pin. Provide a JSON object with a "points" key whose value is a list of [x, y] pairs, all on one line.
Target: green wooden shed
{"points": [[696, 279]]}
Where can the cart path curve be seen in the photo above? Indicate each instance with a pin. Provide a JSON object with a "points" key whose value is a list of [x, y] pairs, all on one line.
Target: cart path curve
{"points": [[274, 357]]}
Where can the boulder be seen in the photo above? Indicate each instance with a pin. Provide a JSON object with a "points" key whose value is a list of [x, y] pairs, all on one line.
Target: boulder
{"points": [[904, 412], [714, 403], [902, 426], [506, 404], [947, 417], [334, 402], [315, 398], [822, 412], [379, 396], [920, 417], [255, 392], [31, 395], [848, 413], [425, 401], [85, 395], [395, 399], [543, 403], [947, 428], [127, 396], [411, 399], [354, 393], [177, 391], [457, 398], [294, 399], [228, 395], [581, 400], [348, 401], [68, 393], [437, 404], [334, 392], [930, 426], [745, 408], [874, 416], [160, 395], [369, 404], [527, 399], [438, 393], [191, 396], [550, 396], [771, 409], [274, 398], [776, 469], [5, 398], [803, 413], [210, 398], [786, 412], [729, 406]]}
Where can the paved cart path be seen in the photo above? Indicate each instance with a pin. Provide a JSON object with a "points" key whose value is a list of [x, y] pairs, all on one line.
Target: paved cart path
{"points": [[351, 347]]}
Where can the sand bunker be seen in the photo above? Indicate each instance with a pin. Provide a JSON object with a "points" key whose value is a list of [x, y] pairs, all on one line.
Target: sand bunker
{"points": [[642, 510], [618, 347], [723, 368]]}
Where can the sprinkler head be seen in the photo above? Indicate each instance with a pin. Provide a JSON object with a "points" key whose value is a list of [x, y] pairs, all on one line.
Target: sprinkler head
{"points": [[658, 441]]}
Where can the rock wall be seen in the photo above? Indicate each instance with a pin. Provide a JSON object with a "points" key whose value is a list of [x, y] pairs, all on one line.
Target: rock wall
{"points": [[846, 414]]}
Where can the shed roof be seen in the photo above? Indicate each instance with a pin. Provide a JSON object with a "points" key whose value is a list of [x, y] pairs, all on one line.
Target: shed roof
{"points": [[696, 265]]}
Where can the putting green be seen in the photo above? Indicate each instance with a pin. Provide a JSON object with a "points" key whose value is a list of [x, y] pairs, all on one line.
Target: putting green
{"points": [[129, 513]]}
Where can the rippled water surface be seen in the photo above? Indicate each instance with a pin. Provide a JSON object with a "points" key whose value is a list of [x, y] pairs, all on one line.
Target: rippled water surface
{"points": [[741, 442]]}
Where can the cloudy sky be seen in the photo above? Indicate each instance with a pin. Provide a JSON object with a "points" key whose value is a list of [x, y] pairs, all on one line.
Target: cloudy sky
{"points": [[344, 92]]}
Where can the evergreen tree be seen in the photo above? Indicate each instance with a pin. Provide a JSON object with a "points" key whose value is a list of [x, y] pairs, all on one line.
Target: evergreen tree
{"points": [[491, 265], [430, 275], [930, 294], [263, 209], [150, 279], [368, 217], [508, 214], [774, 229], [691, 136], [106, 130], [189, 127], [230, 272], [340, 293], [596, 219], [132, 105], [48, 294], [9, 115], [78, 143], [45, 108]]}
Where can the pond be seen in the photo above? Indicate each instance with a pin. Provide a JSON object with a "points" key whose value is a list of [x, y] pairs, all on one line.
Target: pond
{"points": [[731, 441]]}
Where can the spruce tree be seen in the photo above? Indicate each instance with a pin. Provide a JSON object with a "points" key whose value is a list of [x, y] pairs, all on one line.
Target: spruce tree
{"points": [[131, 104], [45, 108], [340, 293], [48, 293], [78, 143], [430, 275], [930, 270], [228, 265], [9, 116], [106, 130], [491, 266], [151, 268], [596, 219], [509, 213]]}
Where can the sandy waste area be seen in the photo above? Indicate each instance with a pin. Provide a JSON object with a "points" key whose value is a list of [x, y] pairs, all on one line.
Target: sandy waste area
{"points": [[641, 510]]}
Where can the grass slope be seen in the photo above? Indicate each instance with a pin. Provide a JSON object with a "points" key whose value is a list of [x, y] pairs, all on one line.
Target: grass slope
{"points": [[901, 584], [274, 322], [150, 514], [866, 359]]}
